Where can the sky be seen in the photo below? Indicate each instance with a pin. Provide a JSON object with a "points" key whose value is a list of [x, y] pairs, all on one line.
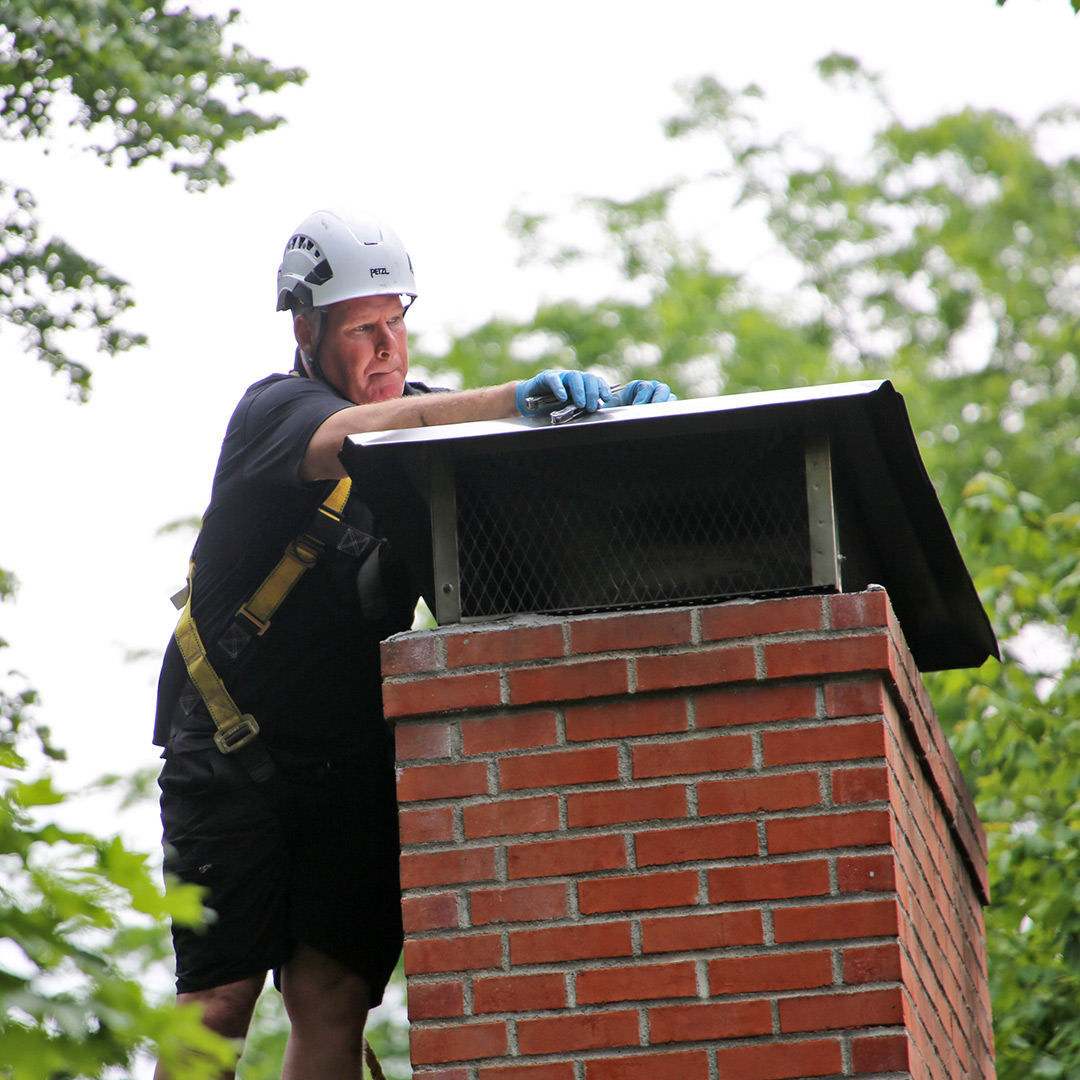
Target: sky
{"points": [[442, 118]]}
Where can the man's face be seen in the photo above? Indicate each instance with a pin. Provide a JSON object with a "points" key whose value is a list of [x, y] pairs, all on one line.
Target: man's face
{"points": [[365, 351]]}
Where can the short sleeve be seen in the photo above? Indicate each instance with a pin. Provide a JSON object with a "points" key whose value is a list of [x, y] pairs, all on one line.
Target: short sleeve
{"points": [[274, 424]]}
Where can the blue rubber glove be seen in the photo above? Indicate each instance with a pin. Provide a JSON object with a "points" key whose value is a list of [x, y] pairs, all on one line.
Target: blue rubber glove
{"points": [[552, 389], [642, 392]]}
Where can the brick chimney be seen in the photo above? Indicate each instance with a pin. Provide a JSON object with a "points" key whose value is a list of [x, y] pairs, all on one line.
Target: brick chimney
{"points": [[698, 843]]}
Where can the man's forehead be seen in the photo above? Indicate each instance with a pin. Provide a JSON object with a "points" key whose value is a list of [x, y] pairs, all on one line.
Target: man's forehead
{"points": [[361, 307]]}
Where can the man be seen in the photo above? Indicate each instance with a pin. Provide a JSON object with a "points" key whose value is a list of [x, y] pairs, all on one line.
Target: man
{"points": [[278, 783]]}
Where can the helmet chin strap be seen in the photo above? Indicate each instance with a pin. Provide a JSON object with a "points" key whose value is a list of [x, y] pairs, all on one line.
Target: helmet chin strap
{"points": [[312, 361]]}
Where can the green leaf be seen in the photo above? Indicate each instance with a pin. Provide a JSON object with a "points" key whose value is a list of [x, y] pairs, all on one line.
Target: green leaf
{"points": [[146, 84]]}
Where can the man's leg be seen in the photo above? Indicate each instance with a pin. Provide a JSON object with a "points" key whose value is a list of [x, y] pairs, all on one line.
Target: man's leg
{"points": [[327, 1006], [226, 1010]]}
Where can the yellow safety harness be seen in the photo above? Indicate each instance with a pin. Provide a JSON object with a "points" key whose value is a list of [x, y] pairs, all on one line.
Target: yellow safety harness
{"points": [[237, 730]]}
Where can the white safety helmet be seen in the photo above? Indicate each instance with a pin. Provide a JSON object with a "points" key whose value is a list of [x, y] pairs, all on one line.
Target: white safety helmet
{"points": [[334, 255]]}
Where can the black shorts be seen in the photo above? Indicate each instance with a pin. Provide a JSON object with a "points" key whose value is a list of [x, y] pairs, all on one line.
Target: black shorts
{"points": [[310, 857]]}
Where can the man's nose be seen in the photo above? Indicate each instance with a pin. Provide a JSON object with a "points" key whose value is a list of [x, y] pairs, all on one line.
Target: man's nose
{"points": [[384, 340]]}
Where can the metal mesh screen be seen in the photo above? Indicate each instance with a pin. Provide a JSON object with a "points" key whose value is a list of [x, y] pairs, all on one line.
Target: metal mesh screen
{"points": [[632, 524]]}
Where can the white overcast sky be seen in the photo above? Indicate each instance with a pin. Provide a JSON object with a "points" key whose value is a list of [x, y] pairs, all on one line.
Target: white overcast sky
{"points": [[441, 117]]}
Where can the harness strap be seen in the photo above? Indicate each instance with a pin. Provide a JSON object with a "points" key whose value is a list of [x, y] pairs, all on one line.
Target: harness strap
{"points": [[237, 732], [299, 556]]}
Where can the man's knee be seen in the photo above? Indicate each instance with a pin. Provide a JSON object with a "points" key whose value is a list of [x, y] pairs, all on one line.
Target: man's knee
{"points": [[227, 1009], [321, 990]]}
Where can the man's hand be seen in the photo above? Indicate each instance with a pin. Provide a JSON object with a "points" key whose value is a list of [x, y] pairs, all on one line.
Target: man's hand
{"points": [[552, 389], [641, 392]]}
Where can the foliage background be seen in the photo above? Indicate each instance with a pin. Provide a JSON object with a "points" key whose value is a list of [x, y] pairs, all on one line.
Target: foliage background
{"points": [[684, 268]]}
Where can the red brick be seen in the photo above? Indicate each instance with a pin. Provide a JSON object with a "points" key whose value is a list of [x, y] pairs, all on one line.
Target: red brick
{"points": [[430, 1000], [559, 768], [638, 892], [513, 731], [788, 660], [863, 828], [551, 944], [870, 918], [569, 682], [769, 972], [409, 655], [830, 1012], [885, 1053], [586, 808], [431, 912], [578, 1031], [851, 610], [507, 817], [727, 840], [626, 719], [860, 785], [866, 873], [519, 993], [426, 956], [781, 1061], [638, 630], [714, 754], [742, 619], [442, 781], [827, 743], [570, 855], [709, 1021], [424, 825], [637, 982], [446, 693], [716, 930], [446, 1074], [872, 963], [462, 1042], [507, 644], [524, 1070], [704, 667], [685, 1065], [756, 705], [518, 903], [855, 697], [734, 795], [415, 741], [770, 880], [420, 869]]}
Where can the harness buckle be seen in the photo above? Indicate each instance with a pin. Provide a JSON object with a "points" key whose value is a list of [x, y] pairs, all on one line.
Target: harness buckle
{"points": [[306, 549], [261, 626], [237, 735]]}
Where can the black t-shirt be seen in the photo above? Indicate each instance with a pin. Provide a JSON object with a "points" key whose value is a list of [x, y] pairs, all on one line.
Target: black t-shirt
{"points": [[312, 681]]}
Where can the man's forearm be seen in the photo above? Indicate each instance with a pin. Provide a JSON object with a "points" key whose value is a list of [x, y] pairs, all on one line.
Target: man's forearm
{"points": [[419, 410]]}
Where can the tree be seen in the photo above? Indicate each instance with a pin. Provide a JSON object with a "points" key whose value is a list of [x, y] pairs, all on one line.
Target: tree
{"points": [[945, 257], [84, 918], [1017, 735], [140, 84], [85, 914]]}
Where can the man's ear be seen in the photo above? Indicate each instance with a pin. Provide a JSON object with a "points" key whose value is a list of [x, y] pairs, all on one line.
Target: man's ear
{"points": [[304, 332]]}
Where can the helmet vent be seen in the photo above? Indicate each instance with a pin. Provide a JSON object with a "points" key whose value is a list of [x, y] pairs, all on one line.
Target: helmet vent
{"points": [[305, 243], [319, 274]]}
